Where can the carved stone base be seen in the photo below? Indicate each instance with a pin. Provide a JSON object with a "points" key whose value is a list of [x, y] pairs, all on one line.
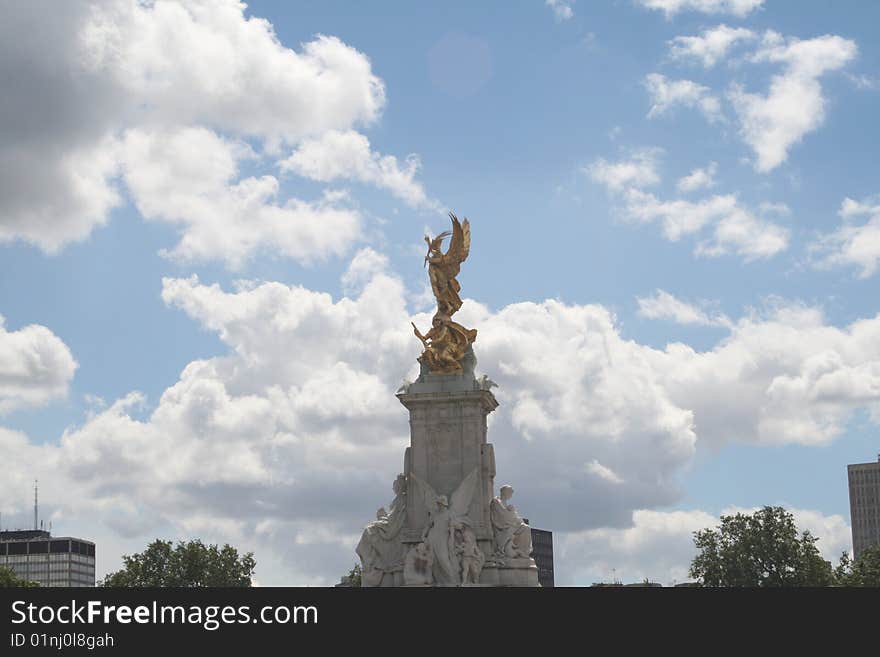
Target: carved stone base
{"points": [[514, 572]]}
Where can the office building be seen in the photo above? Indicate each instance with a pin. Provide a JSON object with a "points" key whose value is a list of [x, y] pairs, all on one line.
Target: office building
{"points": [[864, 504], [37, 556], [542, 553]]}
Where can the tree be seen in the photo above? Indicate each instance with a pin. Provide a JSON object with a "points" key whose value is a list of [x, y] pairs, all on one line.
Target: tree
{"points": [[762, 549], [191, 564], [354, 576], [864, 571], [8, 579]]}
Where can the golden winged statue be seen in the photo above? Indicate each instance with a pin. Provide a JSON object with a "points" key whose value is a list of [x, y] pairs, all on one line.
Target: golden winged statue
{"points": [[447, 341]]}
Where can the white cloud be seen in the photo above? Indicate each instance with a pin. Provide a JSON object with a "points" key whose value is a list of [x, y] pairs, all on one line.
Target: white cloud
{"points": [[741, 232], [203, 62], [853, 244], [772, 123], [189, 178], [86, 73], [795, 378], [659, 545], [665, 306], [562, 10], [639, 170], [668, 94], [833, 532], [268, 455], [347, 155], [35, 367], [603, 472], [739, 8], [734, 228], [698, 178], [710, 47], [864, 82]]}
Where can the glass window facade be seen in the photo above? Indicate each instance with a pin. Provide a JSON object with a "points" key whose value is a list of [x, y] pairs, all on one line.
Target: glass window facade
{"points": [[864, 504], [59, 562]]}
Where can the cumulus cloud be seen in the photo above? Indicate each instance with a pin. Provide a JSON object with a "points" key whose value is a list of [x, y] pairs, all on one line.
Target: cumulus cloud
{"points": [[347, 155], [668, 94], [663, 305], [190, 178], [35, 366], [853, 244], [772, 123], [92, 76], [562, 10], [288, 440], [734, 229], [699, 178], [738, 8], [639, 170], [659, 545], [711, 46]]}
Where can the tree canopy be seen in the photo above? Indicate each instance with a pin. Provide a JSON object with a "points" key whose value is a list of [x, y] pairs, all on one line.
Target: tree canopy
{"points": [[8, 579], [762, 549], [191, 564], [864, 571], [354, 576]]}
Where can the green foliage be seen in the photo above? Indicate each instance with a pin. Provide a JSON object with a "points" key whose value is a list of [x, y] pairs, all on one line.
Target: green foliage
{"points": [[763, 549], [354, 575], [864, 571], [9, 579], [191, 564]]}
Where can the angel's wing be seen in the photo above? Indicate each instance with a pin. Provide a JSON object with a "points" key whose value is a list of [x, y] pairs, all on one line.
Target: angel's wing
{"points": [[460, 245], [430, 496], [461, 498]]}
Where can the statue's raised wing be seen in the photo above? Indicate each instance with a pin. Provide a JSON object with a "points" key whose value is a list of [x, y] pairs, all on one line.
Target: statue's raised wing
{"points": [[429, 494], [460, 244], [461, 498]]}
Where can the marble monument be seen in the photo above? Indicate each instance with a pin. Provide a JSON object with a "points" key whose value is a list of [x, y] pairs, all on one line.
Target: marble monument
{"points": [[445, 526]]}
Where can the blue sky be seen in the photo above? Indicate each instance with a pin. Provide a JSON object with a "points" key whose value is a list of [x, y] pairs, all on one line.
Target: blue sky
{"points": [[668, 347]]}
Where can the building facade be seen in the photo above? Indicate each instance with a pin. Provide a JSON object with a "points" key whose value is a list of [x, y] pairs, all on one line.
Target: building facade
{"points": [[542, 553], [864, 504], [37, 556]]}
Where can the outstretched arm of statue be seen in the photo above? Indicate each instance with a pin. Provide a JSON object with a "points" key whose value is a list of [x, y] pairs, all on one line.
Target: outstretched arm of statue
{"points": [[419, 334]]}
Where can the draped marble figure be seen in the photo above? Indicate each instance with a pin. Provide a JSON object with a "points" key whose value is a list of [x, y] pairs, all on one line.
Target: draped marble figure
{"points": [[513, 537], [377, 547]]}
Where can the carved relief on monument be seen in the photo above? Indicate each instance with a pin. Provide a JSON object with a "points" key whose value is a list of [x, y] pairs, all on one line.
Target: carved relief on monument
{"points": [[378, 548], [444, 517]]}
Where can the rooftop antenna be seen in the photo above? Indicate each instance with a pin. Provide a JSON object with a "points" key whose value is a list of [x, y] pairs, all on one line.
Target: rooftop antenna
{"points": [[35, 505]]}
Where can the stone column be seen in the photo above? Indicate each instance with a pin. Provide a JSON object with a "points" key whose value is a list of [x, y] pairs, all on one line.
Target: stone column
{"points": [[447, 442]]}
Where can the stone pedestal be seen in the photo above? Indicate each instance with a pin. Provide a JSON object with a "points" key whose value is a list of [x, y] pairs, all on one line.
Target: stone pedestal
{"points": [[447, 442], [448, 445]]}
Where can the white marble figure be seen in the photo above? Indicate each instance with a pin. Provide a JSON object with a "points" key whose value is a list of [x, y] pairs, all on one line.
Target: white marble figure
{"points": [[418, 566], [377, 545], [439, 532], [470, 556], [513, 537]]}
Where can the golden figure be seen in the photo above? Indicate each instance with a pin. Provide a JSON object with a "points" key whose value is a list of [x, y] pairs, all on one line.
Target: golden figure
{"points": [[447, 341], [444, 267]]}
